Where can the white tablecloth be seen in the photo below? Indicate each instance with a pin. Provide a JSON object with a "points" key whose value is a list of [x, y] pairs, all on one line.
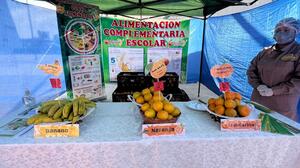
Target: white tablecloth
{"points": [[111, 137]]}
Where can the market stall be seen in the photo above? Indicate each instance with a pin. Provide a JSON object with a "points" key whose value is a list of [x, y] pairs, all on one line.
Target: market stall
{"points": [[158, 127]]}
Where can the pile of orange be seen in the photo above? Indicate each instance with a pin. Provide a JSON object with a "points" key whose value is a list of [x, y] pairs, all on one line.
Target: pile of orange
{"points": [[229, 104], [154, 105]]}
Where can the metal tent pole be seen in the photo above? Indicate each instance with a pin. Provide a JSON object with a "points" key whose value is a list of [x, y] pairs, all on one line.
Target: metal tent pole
{"points": [[202, 53]]}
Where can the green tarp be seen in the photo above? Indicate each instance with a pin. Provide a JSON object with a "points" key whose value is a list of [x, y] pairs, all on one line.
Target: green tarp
{"points": [[155, 8]]}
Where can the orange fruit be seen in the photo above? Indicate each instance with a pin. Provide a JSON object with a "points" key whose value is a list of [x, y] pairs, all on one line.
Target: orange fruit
{"points": [[140, 100], [136, 94], [211, 101], [163, 115], [230, 104], [151, 102], [157, 106], [212, 107], [150, 113], [168, 107], [230, 112], [157, 93], [220, 110], [237, 101], [238, 96], [219, 101], [148, 97], [229, 95], [145, 91], [145, 107], [243, 110], [165, 101], [158, 98], [152, 89], [176, 112]]}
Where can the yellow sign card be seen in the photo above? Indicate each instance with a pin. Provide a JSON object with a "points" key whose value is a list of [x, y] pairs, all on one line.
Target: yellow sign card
{"points": [[54, 69], [45, 131]]}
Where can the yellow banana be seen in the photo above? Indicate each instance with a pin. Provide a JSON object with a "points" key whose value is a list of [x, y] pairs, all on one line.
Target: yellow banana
{"points": [[81, 107], [53, 109], [58, 113], [67, 109], [75, 119], [70, 118], [75, 107]]}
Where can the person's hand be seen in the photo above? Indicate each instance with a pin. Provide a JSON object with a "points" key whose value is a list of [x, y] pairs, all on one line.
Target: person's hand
{"points": [[266, 92], [261, 87]]}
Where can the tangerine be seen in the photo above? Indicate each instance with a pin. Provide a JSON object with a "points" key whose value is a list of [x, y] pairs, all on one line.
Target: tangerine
{"points": [[243, 110], [176, 112], [230, 104], [148, 97], [145, 91], [230, 112], [237, 101], [136, 94], [163, 115], [212, 107], [140, 100], [219, 101], [229, 95], [158, 98], [157, 105], [238, 96], [220, 110], [145, 107], [211, 101], [150, 113], [168, 107]]}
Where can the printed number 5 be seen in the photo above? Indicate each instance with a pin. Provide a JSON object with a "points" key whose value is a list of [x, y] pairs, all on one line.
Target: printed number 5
{"points": [[113, 60]]}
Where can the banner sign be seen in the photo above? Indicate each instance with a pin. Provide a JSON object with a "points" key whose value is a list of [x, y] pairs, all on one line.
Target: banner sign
{"points": [[158, 39], [79, 27]]}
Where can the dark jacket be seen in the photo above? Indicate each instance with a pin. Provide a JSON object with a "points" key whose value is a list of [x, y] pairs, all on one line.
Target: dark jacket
{"points": [[279, 70]]}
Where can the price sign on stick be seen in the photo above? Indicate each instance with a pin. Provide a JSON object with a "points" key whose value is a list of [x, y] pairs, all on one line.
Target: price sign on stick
{"points": [[222, 71], [158, 70], [224, 86]]}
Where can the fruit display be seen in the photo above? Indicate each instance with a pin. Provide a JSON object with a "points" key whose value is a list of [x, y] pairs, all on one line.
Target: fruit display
{"points": [[229, 104], [62, 110], [155, 108]]}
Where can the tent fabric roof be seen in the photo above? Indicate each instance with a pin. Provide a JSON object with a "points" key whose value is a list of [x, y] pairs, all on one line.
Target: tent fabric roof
{"points": [[189, 8]]}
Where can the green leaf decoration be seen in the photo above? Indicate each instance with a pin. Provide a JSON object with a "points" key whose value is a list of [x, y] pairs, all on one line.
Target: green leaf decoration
{"points": [[273, 125], [259, 106]]}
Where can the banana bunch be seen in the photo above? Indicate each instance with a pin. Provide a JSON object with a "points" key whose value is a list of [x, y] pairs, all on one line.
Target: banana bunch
{"points": [[61, 110]]}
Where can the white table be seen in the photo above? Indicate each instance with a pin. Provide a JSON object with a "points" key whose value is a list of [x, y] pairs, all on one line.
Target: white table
{"points": [[111, 137]]}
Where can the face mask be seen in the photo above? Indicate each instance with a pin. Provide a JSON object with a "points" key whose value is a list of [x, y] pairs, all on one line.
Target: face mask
{"points": [[284, 37]]}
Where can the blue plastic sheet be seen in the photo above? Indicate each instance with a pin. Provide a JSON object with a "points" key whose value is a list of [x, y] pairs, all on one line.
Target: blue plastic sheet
{"points": [[28, 37], [238, 38]]}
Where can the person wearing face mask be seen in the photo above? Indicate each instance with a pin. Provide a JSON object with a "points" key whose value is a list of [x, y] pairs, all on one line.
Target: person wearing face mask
{"points": [[274, 73]]}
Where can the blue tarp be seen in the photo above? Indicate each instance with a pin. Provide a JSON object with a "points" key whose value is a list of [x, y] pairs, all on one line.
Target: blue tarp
{"points": [[28, 37], [238, 38]]}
